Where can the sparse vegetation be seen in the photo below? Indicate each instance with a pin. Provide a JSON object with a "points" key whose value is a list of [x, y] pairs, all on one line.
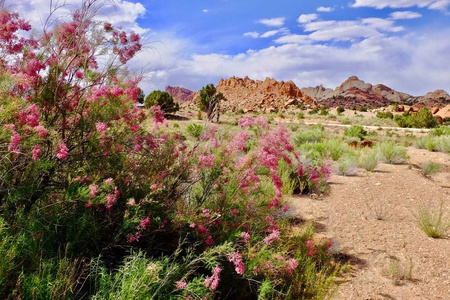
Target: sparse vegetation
{"points": [[391, 153], [435, 224], [430, 167], [397, 272]]}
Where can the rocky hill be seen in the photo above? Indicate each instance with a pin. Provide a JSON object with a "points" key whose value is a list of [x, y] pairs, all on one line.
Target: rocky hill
{"points": [[356, 93], [256, 95], [181, 95]]}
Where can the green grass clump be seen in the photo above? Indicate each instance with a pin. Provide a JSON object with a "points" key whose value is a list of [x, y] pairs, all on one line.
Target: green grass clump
{"points": [[310, 136], [395, 271], [356, 131], [195, 130], [346, 166], [434, 224], [368, 161], [430, 167], [391, 153]]}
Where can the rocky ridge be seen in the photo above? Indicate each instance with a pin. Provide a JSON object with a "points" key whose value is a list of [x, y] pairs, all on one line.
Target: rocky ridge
{"points": [[355, 93], [181, 95], [256, 95]]}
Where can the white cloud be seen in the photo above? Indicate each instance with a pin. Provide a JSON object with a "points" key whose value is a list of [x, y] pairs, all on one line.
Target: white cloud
{"points": [[252, 34], [269, 33], [431, 4], [293, 39], [121, 13], [307, 18], [404, 15], [206, 10], [325, 9], [274, 22]]}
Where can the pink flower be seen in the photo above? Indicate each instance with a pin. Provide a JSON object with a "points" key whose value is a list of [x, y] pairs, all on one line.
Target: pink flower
{"points": [[206, 161], [309, 243], [108, 180], [134, 37], [256, 270], [181, 285], [202, 230], [133, 237], [93, 190], [100, 126], [274, 236], [312, 252], [62, 151], [292, 264], [144, 222], [79, 74], [234, 211], [132, 202], [15, 140], [246, 237], [209, 241], [192, 225], [236, 259], [213, 282], [158, 116], [205, 212], [36, 151], [116, 91]]}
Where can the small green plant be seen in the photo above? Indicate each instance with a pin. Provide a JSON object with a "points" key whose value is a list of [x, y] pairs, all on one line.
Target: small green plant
{"points": [[313, 111], [424, 119], [443, 144], [391, 153], [195, 130], [430, 167], [300, 115], [440, 131], [434, 224], [340, 110], [323, 111], [362, 109], [199, 115], [346, 166], [368, 161], [395, 271], [311, 136], [346, 121], [385, 115], [356, 131]]}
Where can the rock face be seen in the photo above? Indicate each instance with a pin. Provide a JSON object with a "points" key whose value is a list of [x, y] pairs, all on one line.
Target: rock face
{"points": [[356, 93], [181, 95], [256, 95]]}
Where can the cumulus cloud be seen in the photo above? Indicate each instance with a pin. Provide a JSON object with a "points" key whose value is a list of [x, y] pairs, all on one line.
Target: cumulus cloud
{"points": [[325, 9], [293, 39], [252, 34], [306, 18], [405, 15], [274, 22], [431, 4]]}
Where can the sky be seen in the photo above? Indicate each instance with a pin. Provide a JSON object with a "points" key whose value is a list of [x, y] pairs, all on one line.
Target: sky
{"points": [[404, 44]]}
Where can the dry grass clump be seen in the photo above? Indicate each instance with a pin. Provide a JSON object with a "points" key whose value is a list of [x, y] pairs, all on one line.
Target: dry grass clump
{"points": [[434, 224], [397, 272]]}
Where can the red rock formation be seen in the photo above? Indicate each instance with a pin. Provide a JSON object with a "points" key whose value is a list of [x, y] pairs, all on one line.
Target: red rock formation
{"points": [[256, 95], [181, 95]]}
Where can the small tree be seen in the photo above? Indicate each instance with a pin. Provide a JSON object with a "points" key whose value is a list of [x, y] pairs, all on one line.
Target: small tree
{"points": [[162, 99], [209, 101], [141, 96]]}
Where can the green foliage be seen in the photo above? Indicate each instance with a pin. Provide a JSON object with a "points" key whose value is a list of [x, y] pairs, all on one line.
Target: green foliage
{"points": [[313, 111], [362, 109], [300, 115], [424, 119], [141, 96], [313, 135], [208, 94], [430, 167], [356, 131], [385, 115], [391, 153], [340, 110], [346, 166], [323, 111], [397, 272], [434, 224], [440, 131], [162, 99], [368, 160], [195, 130]]}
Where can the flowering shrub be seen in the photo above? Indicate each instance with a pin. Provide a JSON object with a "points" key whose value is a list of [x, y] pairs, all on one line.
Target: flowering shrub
{"points": [[76, 156]]}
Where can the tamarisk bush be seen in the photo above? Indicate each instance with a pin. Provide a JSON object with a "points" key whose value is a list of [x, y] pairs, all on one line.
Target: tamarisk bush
{"points": [[80, 175]]}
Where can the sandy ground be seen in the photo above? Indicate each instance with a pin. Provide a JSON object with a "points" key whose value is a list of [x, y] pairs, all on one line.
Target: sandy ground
{"points": [[393, 193]]}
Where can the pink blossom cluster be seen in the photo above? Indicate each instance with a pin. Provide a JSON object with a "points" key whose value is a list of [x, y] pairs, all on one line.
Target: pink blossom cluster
{"points": [[236, 259], [158, 116], [272, 237], [206, 161], [181, 285], [237, 143], [246, 237], [291, 265], [248, 120], [15, 141], [212, 282], [63, 151]]}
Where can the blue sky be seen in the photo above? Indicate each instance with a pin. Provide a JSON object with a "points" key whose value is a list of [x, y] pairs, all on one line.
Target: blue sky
{"points": [[404, 44]]}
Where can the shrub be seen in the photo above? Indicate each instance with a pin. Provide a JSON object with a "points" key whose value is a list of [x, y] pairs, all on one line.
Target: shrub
{"points": [[311, 136], [346, 166], [362, 109], [440, 131], [313, 111], [397, 272], [340, 110], [430, 167], [323, 111], [424, 119], [194, 130], [356, 131], [434, 224], [162, 99], [368, 161], [443, 144], [385, 115], [391, 153], [300, 116], [427, 142]]}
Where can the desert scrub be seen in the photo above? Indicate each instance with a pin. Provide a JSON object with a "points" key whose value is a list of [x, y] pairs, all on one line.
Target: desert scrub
{"points": [[435, 224], [346, 166], [356, 131], [312, 135], [397, 272], [368, 160], [195, 130], [428, 142], [391, 153], [443, 144], [430, 167]]}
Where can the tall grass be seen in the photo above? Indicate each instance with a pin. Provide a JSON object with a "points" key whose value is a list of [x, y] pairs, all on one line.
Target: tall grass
{"points": [[434, 224], [391, 153]]}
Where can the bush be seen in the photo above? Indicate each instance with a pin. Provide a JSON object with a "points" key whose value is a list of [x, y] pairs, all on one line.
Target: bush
{"points": [[313, 111], [311, 136], [356, 131], [162, 99], [300, 116], [385, 115], [340, 110], [368, 161], [323, 111], [346, 166], [424, 119], [391, 153], [430, 167], [434, 224], [195, 130]]}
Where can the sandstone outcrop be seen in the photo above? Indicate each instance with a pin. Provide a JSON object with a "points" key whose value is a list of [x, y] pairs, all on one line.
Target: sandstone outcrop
{"points": [[256, 95], [181, 95]]}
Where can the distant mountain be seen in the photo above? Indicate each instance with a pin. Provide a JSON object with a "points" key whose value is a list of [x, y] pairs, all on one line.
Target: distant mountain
{"points": [[356, 93], [181, 95], [256, 95]]}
